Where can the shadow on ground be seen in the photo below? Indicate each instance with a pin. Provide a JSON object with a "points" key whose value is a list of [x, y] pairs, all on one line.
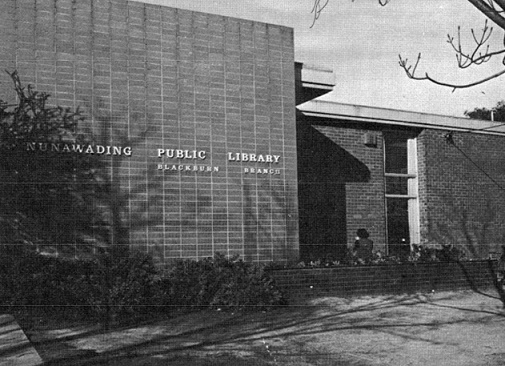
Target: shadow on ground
{"points": [[326, 331]]}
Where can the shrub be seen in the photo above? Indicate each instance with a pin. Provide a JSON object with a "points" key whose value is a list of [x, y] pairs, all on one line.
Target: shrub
{"points": [[114, 285], [122, 284], [222, 283], [30, 280], [247, 287], [447, 253]]}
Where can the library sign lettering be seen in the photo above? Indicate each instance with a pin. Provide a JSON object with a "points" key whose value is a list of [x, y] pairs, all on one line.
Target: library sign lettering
{"points": [[200, 155], [78, 148], [173, 159]]}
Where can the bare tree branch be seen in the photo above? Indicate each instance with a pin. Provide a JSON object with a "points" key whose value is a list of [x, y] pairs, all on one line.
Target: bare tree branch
{"points": [[501, 4], [478, 55], [486, 7], [492, 5], [317, 9], [493, 10], [490, 12], [411, 73]]}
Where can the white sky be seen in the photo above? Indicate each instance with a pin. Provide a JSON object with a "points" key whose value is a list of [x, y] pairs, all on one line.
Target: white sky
{"points": [[361, 41]]}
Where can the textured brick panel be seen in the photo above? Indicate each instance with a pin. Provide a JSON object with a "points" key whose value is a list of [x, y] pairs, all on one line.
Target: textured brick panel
{"points": [[462, 191], [152, 77]]}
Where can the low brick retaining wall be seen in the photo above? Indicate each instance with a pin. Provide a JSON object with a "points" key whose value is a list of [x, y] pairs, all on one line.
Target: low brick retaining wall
{"points": [[384, 279]]}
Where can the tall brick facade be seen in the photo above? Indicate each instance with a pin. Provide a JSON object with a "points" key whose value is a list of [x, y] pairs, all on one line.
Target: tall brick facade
{"points": [[159, 80]]}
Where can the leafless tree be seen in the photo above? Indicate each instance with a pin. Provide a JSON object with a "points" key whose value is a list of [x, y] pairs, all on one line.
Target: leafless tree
{"points": [[480, 53]]}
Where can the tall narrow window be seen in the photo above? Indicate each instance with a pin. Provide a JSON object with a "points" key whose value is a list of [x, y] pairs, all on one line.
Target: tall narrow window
{"points": [[402, 208]]}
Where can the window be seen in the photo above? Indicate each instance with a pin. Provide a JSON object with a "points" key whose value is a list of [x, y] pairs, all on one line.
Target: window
{"points": [[402, 207]]}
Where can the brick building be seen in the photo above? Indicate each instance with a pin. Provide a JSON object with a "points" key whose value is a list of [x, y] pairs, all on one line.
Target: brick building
{"points": [[408, 178], [213, 142]]}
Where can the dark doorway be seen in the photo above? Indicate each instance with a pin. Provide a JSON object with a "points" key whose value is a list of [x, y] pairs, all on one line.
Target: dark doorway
{"points": [[324, 168]]}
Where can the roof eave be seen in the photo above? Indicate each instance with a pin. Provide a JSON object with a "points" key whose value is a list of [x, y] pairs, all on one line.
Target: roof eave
{"points": [[357, 113]]}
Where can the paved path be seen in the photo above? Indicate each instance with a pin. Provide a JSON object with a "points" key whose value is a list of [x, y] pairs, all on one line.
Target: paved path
{"points": [[15, 348], [449, 328]]}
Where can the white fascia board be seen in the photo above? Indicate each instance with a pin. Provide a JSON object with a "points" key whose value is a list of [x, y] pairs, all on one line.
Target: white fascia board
{"points": [[319, 78], [351, 112]]}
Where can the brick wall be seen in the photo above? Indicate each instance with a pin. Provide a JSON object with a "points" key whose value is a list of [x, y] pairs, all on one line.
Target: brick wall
{"points": [[461, 188], [152, 77], [463, 197], [341, 186], [300, 283]]}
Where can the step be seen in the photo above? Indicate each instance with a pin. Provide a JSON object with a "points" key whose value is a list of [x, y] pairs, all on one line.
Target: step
{"points": [[15, 348]]}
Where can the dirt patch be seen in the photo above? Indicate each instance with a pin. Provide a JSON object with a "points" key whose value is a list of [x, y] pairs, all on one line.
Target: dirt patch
{"points": [[450, 328]]}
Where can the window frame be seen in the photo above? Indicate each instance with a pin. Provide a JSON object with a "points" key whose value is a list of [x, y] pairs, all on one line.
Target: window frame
{"points": [[412, 195]]}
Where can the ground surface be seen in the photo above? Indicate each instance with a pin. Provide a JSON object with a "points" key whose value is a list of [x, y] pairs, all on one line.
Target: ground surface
{"points": [[450, 328], [15, 349]]}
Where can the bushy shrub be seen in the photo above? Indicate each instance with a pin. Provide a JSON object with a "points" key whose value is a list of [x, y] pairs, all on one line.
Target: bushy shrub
{"points": [[119, 285], [122, 284], [247, 287], [30, 280], [220, 282], [446, 253], [113, 285]]}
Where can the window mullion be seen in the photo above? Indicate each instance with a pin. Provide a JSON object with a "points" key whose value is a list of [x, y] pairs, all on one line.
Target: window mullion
{"points": [[406, 196], [401, 175]]}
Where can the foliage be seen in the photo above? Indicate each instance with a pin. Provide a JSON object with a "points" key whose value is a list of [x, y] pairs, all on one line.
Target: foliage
{"points": [[111, 286], [497, 113], [45, 196], [447, 253], [419, 254], [221, 283], [28, 279], [121, 285]]}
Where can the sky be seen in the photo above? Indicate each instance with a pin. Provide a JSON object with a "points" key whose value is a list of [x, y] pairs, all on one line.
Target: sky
{"points": [[360, 41]]}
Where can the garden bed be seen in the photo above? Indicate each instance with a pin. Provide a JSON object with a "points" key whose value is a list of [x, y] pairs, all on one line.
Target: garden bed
{"points": [[301, 283]]}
